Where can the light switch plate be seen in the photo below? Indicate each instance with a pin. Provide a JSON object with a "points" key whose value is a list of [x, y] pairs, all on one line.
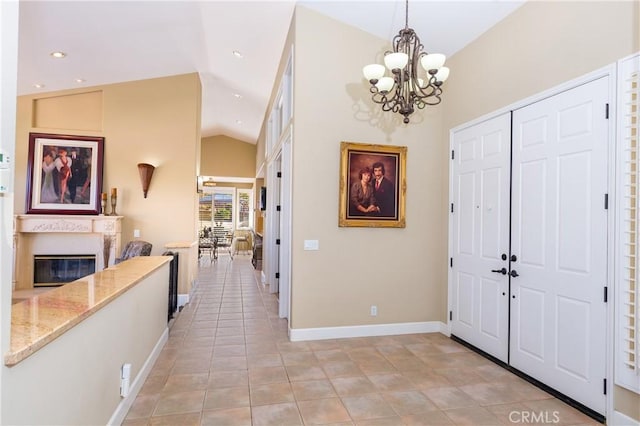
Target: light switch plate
{"points": [[311, 245]]}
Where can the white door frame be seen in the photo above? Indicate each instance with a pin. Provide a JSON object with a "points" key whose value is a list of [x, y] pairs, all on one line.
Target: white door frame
{"points": [[610, 71], [286, 166]]}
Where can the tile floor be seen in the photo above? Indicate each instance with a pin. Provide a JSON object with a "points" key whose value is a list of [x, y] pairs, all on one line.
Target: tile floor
{"points": [[228, 361]]}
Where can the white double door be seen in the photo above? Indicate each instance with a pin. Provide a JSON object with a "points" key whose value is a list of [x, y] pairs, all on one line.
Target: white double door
{"points": [[529, 240]]}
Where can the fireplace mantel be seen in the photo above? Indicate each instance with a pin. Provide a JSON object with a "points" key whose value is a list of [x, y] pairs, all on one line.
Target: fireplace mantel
{"points": [[36, 234]]}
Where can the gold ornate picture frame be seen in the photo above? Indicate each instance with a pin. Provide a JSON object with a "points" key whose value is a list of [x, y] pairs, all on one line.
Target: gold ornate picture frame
{"points": [[376, 201]]}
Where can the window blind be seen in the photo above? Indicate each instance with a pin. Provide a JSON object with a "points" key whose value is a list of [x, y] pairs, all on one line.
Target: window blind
{"points": [[627, 304]]}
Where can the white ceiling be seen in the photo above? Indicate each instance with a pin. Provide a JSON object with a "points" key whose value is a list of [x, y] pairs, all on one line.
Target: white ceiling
{"points": [[115, 41]]}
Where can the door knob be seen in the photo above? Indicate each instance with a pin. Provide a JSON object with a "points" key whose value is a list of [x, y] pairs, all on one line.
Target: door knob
{"points": [[514, 273], [513, 258], [504, 256], [502, 271]]}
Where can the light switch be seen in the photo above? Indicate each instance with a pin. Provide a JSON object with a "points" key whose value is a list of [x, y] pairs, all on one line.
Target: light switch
{"points": [[136, 233], [311, 245]]}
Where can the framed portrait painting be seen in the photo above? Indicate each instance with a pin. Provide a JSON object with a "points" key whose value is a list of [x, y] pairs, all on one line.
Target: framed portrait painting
{"points": [[64, 174], [372, 185]]}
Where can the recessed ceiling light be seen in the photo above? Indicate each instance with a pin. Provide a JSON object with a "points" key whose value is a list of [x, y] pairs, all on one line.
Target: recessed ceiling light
{"points": [[38, 86], [238, 54], [237, 95], [238, 122], [80, 80], [58, 55]]}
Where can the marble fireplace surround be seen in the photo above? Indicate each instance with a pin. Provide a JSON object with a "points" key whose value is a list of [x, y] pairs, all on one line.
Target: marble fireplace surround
{"points": [[62, 234]]}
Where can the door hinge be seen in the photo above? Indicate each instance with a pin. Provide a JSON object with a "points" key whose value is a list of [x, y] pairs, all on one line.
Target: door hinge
{"points": [[451, 207], [451, 262], [279, 174], [277, 241], [606, 201], [453, 155], [606, 111], [277, 208], [606, 294], [604, 389], [450, 315], [277, 275]]}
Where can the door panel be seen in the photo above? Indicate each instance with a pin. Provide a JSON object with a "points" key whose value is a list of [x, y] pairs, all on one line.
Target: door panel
{"points": [[559, 234], [480, 220]]}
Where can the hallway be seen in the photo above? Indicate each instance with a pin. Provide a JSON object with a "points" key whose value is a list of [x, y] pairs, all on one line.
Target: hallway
{"points": [[228, 361]]}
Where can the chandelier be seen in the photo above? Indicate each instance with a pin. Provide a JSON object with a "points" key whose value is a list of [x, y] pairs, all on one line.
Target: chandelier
{"points": [[409, 86]]}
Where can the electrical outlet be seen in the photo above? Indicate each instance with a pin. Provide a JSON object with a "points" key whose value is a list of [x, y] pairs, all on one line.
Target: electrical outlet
{"points": [[374, 310]]}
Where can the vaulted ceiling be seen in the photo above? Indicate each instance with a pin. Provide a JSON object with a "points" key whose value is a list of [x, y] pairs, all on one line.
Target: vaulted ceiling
{"points": [[115, 41]]}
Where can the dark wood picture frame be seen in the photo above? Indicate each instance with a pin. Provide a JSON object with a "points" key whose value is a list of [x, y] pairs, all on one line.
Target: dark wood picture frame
{"points": [[387, 208], [64, 174]]}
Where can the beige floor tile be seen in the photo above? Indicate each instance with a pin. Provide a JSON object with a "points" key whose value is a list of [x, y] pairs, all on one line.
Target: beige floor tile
{"points": [[391, 382], [229, 363], [409, 402], [461, 376], [188, 419], [347, 386], [299, 358], [261, 376], [491, 393], [272, 393], [383, 421], [323, 411], [153, 385], [276, 415], [228, 417], [341, 369], [472, 416], [228, 379], [299, 373], [332, 355], [369, 406], [426, 379], [143, 406], [187, 382], [432, 418], [265, 360], [229, 350], [313, 389], [179, 403], [222, 398], [449, 398]]}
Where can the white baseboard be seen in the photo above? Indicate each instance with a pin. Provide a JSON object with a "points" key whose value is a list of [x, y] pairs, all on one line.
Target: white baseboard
{"points": [[619, 419], [323, 333], [122, 409], [183, 299]]}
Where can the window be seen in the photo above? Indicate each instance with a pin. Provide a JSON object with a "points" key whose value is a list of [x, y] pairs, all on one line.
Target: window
{"points": [[244, 208], [627, 365]]}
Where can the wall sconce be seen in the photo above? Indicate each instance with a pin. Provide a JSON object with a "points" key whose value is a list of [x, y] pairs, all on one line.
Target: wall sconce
{"points": [[146, 171]]}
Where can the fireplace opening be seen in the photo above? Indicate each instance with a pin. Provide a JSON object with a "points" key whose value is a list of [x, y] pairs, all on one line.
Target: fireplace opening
{"points": [[58, 269]]}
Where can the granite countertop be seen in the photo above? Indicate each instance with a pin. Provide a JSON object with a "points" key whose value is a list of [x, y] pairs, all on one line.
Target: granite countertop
{"points": [[39, 320]]}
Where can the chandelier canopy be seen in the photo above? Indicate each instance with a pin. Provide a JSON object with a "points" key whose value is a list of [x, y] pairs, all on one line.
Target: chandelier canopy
{"points": [[409, 85]]}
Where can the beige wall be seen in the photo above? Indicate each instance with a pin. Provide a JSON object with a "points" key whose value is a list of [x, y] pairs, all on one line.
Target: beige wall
{"points": [[225, 156], [155, 121], [396, 269], [542, 44]]}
